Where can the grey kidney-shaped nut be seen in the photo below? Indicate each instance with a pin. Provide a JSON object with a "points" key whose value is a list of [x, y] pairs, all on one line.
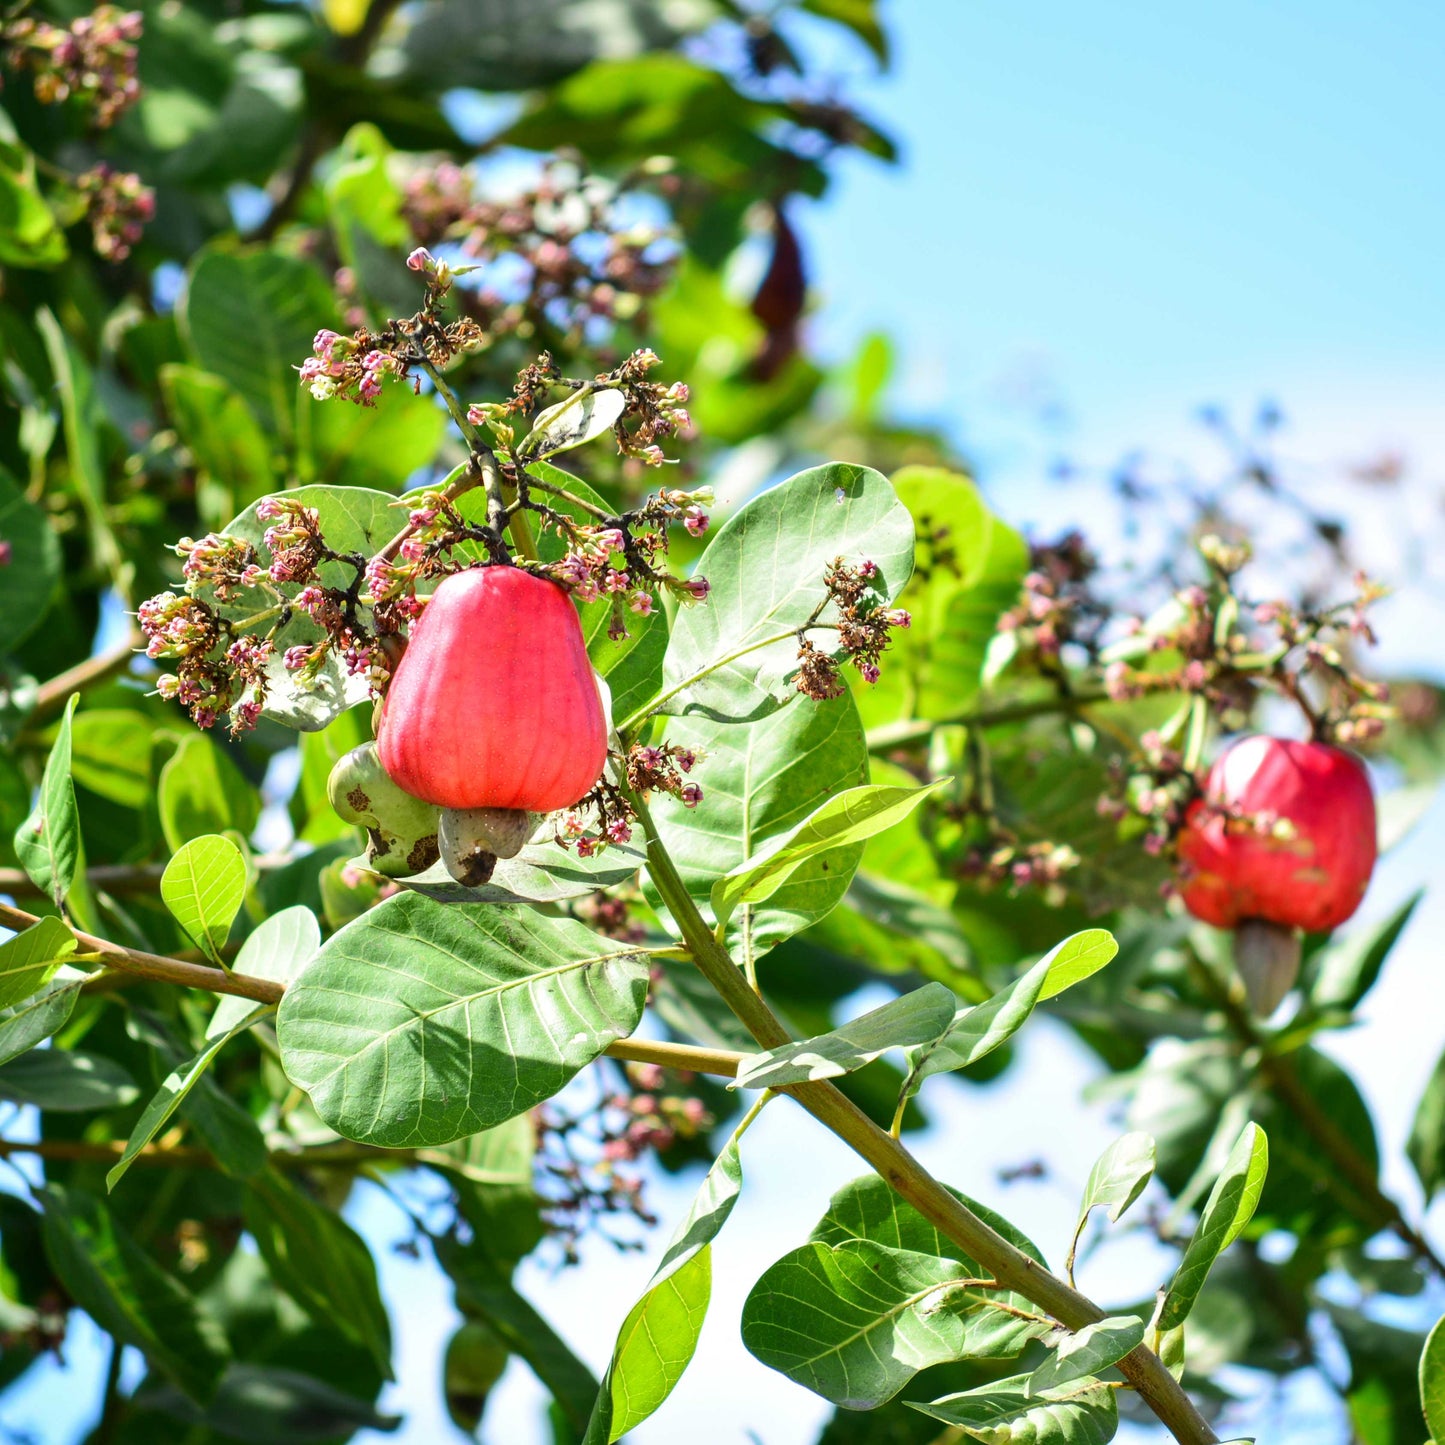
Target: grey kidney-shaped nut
{"points": [[472, 839], [401, 831]]}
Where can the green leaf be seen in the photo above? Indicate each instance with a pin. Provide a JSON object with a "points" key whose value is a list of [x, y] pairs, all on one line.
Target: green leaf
{"points": [[48, 841], [66, 1081], [30, 236], [204, 886], [729, 658], [484, 1289], [760, 780], [110, 753], [1118, 1177], [277, 1405], [129, 1295], [1091, 1349], [1345, 971], [202, 791], [1432, 1380], [968, 569], [660, 1334], [418, 1023], [231, 451], [543, 872], [1230, 1205], [848, 817], [277, 950], [250, 319], [979, 1030], [29, 959], [582, 417], [320, 1261], [914, 1018], [172, 1093], [1002, 1413], [901, 1305], [28, 578], [855, 1321], [1426, 1144], [34, 1020]]}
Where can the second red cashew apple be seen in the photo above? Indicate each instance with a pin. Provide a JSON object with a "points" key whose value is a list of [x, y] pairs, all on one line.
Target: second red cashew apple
{"points": [[1282, 841]]}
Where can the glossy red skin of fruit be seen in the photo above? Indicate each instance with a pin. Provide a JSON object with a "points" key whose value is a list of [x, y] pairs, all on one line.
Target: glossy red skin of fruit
{"points": [[493, 704], [1314, 880]]}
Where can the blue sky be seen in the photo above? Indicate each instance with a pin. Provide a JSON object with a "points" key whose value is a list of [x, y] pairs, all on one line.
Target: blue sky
{"points": [[1132, 209]]}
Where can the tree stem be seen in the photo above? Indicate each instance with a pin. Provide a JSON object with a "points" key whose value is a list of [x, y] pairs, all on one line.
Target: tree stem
{"points": [[1013, 1269], [100, 668]]}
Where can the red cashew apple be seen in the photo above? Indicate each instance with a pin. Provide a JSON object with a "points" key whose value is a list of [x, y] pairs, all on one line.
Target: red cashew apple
{"points": [[1283, 839], [493, 704]]}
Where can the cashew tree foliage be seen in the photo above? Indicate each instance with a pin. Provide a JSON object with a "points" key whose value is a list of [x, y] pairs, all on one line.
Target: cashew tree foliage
{"points": [[415, 764]]}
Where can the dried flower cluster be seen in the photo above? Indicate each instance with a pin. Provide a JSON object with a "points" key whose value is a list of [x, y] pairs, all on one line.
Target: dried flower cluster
{"points": [[1022, 865], [93, 59], [118, 207], [864, 626], [553, 258], [605, 816], [1216, 646], [582, 1154], [1057, 607], [224, 666]]}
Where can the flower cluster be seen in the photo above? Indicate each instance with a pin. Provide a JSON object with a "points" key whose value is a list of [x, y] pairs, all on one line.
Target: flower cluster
{"points": [[1215, 646], [225, 667], [118, 207], [1056, 606], [1023, 865], [621, 561], [583, 1155], [94, 59], [348, 367], [1156, 787], [549, 259], [864, 626], [605, 816]]}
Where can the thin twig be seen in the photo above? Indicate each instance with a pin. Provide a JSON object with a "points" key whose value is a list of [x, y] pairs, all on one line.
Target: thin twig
{"points": [[100, 668]]}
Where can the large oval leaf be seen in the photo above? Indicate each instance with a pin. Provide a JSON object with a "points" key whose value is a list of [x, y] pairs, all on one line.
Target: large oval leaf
{"points": [[418, 1023]]}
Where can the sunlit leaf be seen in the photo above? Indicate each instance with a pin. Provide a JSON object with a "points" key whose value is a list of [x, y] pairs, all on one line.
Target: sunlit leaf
{"points": [[418, 1023], [204, 886]]}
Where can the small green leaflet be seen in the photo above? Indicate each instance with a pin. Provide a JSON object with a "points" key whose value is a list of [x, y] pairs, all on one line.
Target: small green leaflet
{"points": [[28, 961], [1003, 1413], [1230, 1205], [979, 1030], [204, 886], [581, 418], [847, 817], [1432, 1380], [1092, 1349], [48, 841], [913, 1018], [658, 1337], [1117, 1179], [34, 1019], [169, 1097], [277, 950]]}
